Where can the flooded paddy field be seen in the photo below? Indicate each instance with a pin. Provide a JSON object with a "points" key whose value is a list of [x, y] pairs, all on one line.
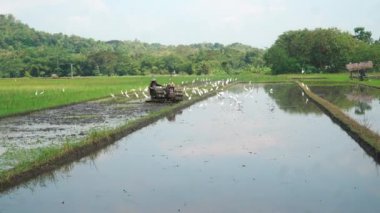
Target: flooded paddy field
{"points": [[361, 103], [56, 126], [261, 148]]}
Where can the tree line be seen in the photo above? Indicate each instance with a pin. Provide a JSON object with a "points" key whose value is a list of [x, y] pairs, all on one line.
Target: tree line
{"points": [[321, 50], [26, 52]]}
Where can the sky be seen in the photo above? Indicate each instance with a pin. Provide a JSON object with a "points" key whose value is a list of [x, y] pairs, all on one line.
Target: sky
{"points": [[254, 22]]}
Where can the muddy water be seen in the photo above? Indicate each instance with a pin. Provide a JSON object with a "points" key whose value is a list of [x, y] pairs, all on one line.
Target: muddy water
{"points": [[247, 150], [359, 102]]}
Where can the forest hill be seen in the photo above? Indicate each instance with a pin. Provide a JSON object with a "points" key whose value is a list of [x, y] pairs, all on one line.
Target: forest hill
{"points": [[26, 52]]}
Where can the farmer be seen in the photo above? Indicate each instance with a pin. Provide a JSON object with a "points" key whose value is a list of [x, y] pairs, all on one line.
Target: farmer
{"points": [[362, 74], [152, 87]]}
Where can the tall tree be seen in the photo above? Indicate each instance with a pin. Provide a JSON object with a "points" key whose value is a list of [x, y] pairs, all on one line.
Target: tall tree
{"points": [[326, 50], [363, 35]]}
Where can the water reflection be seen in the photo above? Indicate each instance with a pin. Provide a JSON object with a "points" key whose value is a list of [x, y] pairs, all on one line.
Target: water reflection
{"points": [[239, 151], [359, 102], [54, 177], [171, 117], [361, 108], [291, 99]]}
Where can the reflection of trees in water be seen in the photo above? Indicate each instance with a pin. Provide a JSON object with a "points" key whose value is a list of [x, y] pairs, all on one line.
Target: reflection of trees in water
{"points": [[362, 97], [335, 94], [289, 98], [357, 97], [361, 107]]}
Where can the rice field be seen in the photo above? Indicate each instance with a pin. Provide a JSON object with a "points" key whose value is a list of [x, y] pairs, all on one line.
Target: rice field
{"points": [[251, 148], [24, 95]]}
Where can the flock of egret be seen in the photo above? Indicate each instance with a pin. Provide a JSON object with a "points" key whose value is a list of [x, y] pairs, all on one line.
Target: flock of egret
{"points": [[37, 93], [190, 89], [196, 87], [133, 93]]}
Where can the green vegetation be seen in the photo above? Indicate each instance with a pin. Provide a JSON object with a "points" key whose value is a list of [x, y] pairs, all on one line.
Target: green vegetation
{"points": [[321, 50], [26, 52]]}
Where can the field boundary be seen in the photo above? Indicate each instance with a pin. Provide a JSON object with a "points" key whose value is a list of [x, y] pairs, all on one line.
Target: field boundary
{"points": [[367, 139]]}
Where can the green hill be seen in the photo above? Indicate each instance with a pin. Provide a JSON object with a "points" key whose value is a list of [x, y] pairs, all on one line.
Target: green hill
{"points": [[25, 51]]}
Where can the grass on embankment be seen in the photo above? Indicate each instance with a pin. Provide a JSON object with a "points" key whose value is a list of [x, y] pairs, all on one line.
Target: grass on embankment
{"points": [[356, 130], [45, 159], [336, 79], [320, 79]]}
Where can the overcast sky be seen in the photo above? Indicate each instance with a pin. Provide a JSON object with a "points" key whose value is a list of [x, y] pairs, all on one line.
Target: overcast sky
{"points": [[253, 22]]}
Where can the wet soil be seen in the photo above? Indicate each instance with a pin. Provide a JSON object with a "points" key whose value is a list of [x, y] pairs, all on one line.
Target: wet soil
{"points": [[55, 126]]}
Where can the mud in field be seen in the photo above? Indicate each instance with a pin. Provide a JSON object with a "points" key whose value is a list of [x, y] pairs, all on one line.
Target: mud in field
{"points": [[69, 123]]}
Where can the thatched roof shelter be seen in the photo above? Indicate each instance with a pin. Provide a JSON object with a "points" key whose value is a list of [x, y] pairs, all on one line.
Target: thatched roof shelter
{"points": [[359, 66]]}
